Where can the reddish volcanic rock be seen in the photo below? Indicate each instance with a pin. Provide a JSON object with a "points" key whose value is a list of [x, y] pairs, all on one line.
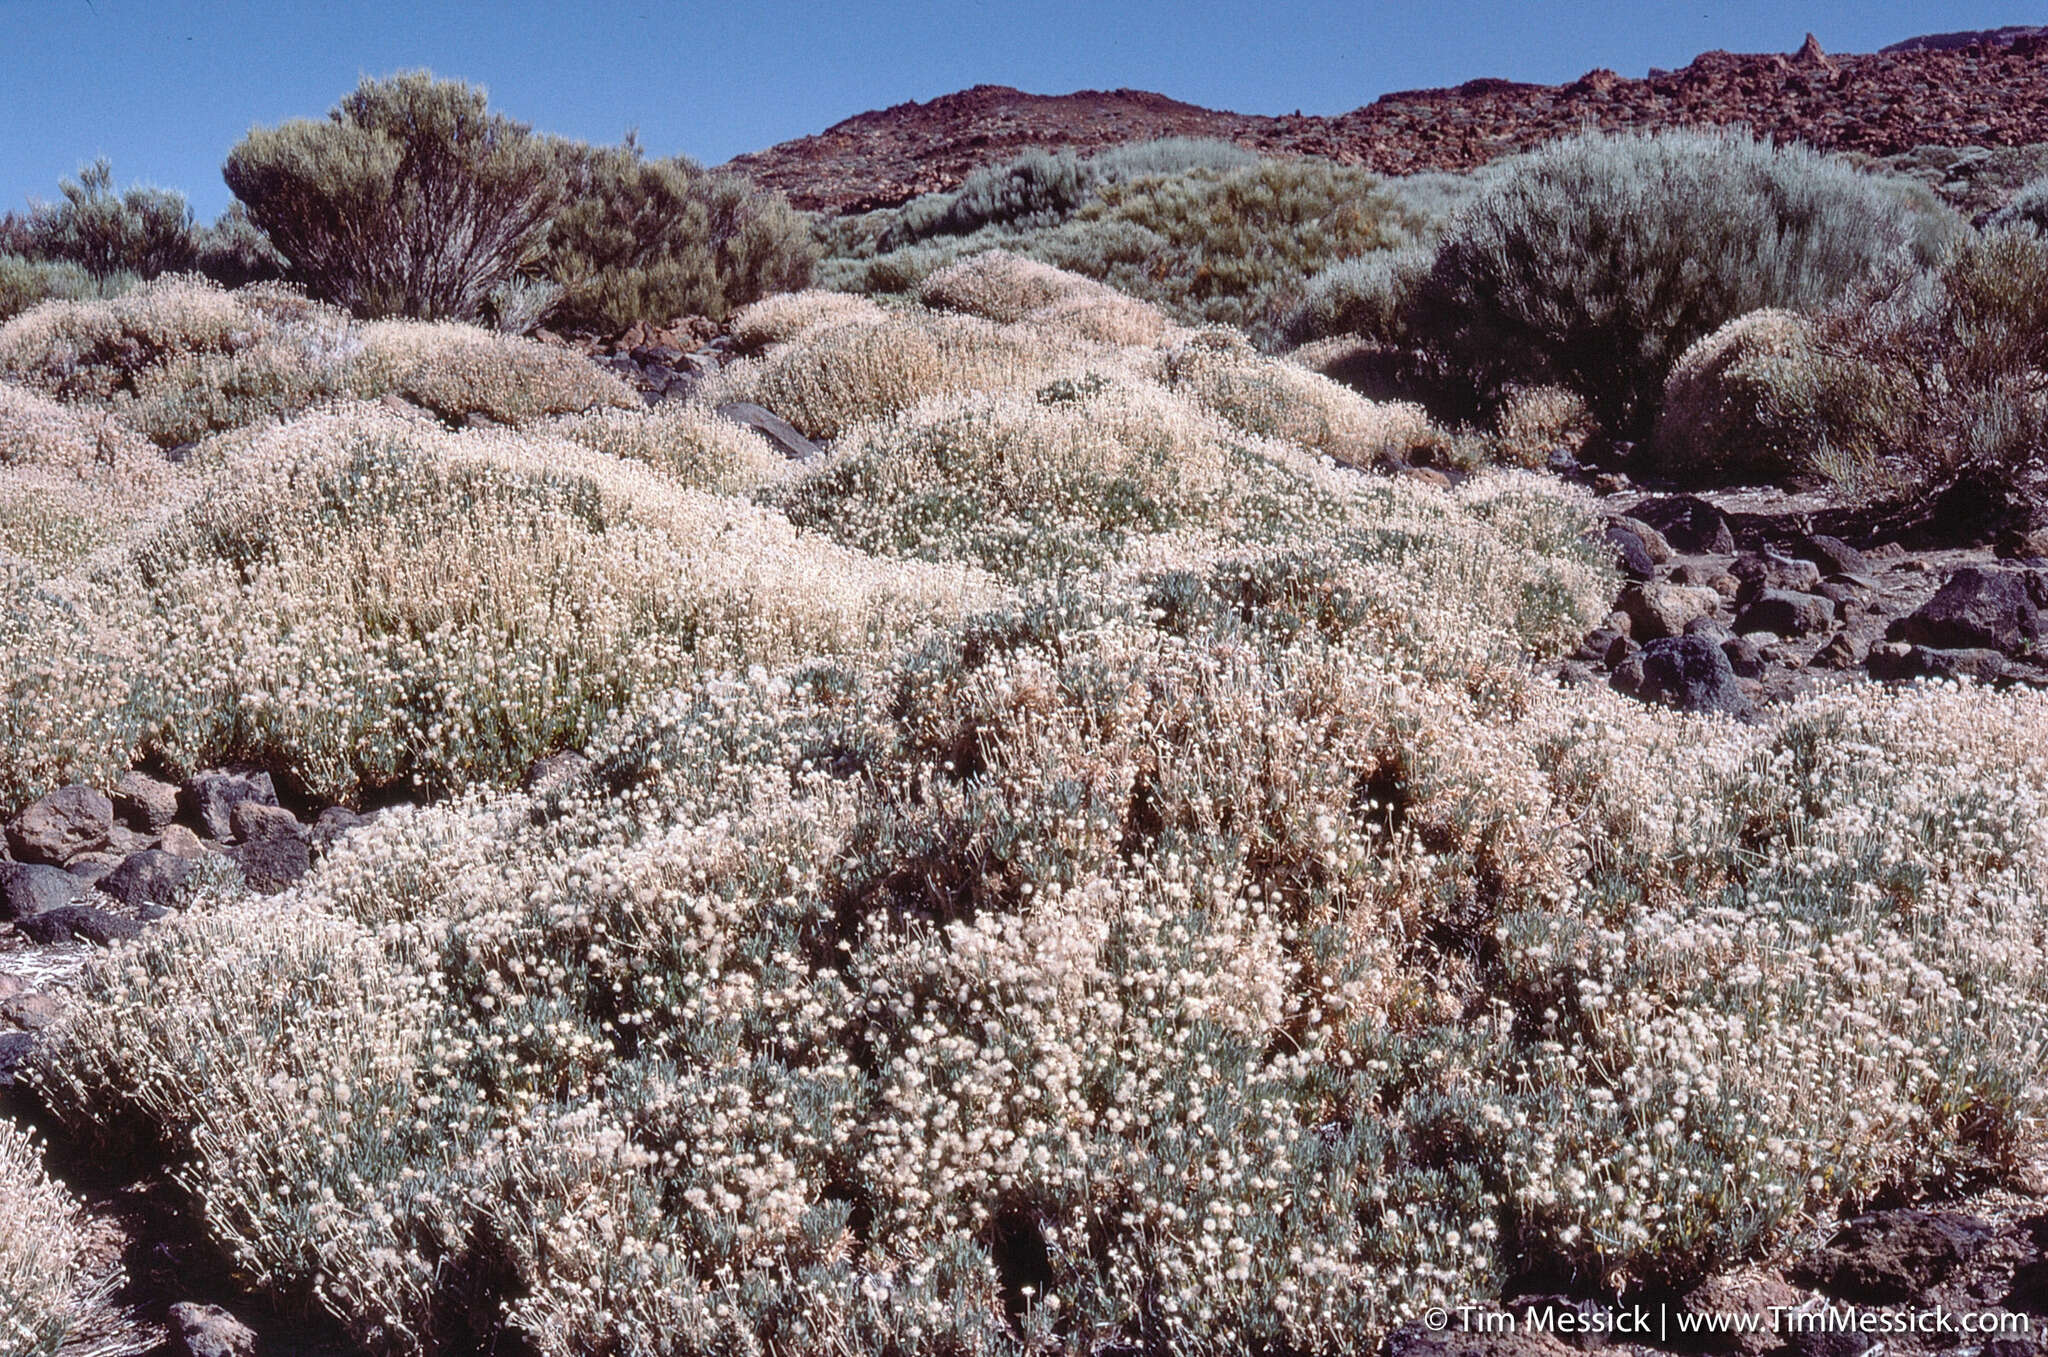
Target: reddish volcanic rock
{"points": [[1986, 90]]}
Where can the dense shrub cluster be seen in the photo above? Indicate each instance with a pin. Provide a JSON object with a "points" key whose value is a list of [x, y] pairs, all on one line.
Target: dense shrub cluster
{"points": [[1074, 868], [47, 1300], [1596, 261], [1208, 232], [414, 199]]}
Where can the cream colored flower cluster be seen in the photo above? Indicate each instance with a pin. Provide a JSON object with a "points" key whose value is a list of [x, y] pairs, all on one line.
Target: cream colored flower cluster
{"points": [[47, 1293]]}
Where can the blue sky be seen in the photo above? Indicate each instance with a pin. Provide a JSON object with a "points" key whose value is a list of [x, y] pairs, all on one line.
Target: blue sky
{"points": [[165, 87]]}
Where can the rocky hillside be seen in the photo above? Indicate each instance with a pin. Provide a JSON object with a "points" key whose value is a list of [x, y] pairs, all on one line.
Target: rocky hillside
{"points": [[1988, 90]]}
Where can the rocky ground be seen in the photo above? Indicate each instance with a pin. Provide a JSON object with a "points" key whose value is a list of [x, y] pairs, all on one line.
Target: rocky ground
{"points": [[1976, 92]]}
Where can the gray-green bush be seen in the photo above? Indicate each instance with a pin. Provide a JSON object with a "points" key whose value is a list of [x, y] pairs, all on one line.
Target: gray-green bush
{"points": [[639, 239], [1595, 261], [411, 199]]}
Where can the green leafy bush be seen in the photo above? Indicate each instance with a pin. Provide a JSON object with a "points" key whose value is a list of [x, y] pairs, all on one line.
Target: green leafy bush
{"points": [[639, 239], [27, 282], [411, 199], [1595, 261]]}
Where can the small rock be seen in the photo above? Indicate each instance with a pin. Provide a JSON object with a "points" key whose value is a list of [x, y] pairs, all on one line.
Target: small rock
{"points": [[1891, 662], [1618, 651], [86, 923], [181, 842], [14, 1049], [253, 822], [1630, 555], [1760, 573], [1743, 657], [1831, 554], [1415, 1340], [2023, 544], [1596, 643], [1784, 613], [334, 822], [1659, 610], [90, 867], [1758, 1296], [1688, 523], [150, 877], [1893, 1255], [1841, 652], [207, 799], [28, 889], [209, 1331], [1690, 673], [555, 772], [1979, 609], [1654, 542], [58, 827], [1828, 1343], [774, 428], [31, 1012], [143, 803], [269, 865]]}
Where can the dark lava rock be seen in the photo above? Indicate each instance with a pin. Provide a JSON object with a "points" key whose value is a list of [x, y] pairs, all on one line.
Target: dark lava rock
{"points": [[1831, 554], [58, 827], [1630, 554], [1985, 666], [14, 1049], [773, 427], [1784, 613], [1893, 1255], [271, 864], [208, 799], [199, 1330], [144, 804], [253, 822], [1689, 523], [2029, 1288], [1416, 1340], [1827, 1343], [33, 888], [333, 823], [1760, 573], [1736, 1295], [86, 923], [1978, 609], [1842, 652], [1688, 672], [146, 878], [1596, 643]]}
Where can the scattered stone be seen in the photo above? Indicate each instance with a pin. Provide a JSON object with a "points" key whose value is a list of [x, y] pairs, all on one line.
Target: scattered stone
{"points": [[1843, 651], [1752, 1295], [1630, 555], [1595, 644], [90, 867], [207, 799], [1689, 524], [1687, 672], [150, 877], [86, 923], [555, 772], [1659, 610], [58, 827], [271, 864], [1618, 651], [774, 428], [1979, 609], [14, 1049], [2029, 1288], [1828, 1343], [1893, 1255], [143, 803], [1831, 554], [1653, 541], [1784, 613], [31, 1012], [28, 889], [181, 842], [1912, 662], [1416, 1340], [208, 1331], [253, 822], [1761, 573], [1713, 628], [2026, 544], [334, 822]]}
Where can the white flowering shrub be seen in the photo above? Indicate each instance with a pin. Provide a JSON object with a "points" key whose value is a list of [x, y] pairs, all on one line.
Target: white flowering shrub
{"points": [[1075, 868], [793, 315], [46, 1292], [463, 373]]}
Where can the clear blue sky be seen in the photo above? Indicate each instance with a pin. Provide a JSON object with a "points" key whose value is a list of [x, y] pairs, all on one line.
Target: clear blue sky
{"points": [[165, 87]]}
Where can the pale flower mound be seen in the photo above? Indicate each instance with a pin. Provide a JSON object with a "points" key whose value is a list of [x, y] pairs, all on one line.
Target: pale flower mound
{"points": [[1074, 867]]}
